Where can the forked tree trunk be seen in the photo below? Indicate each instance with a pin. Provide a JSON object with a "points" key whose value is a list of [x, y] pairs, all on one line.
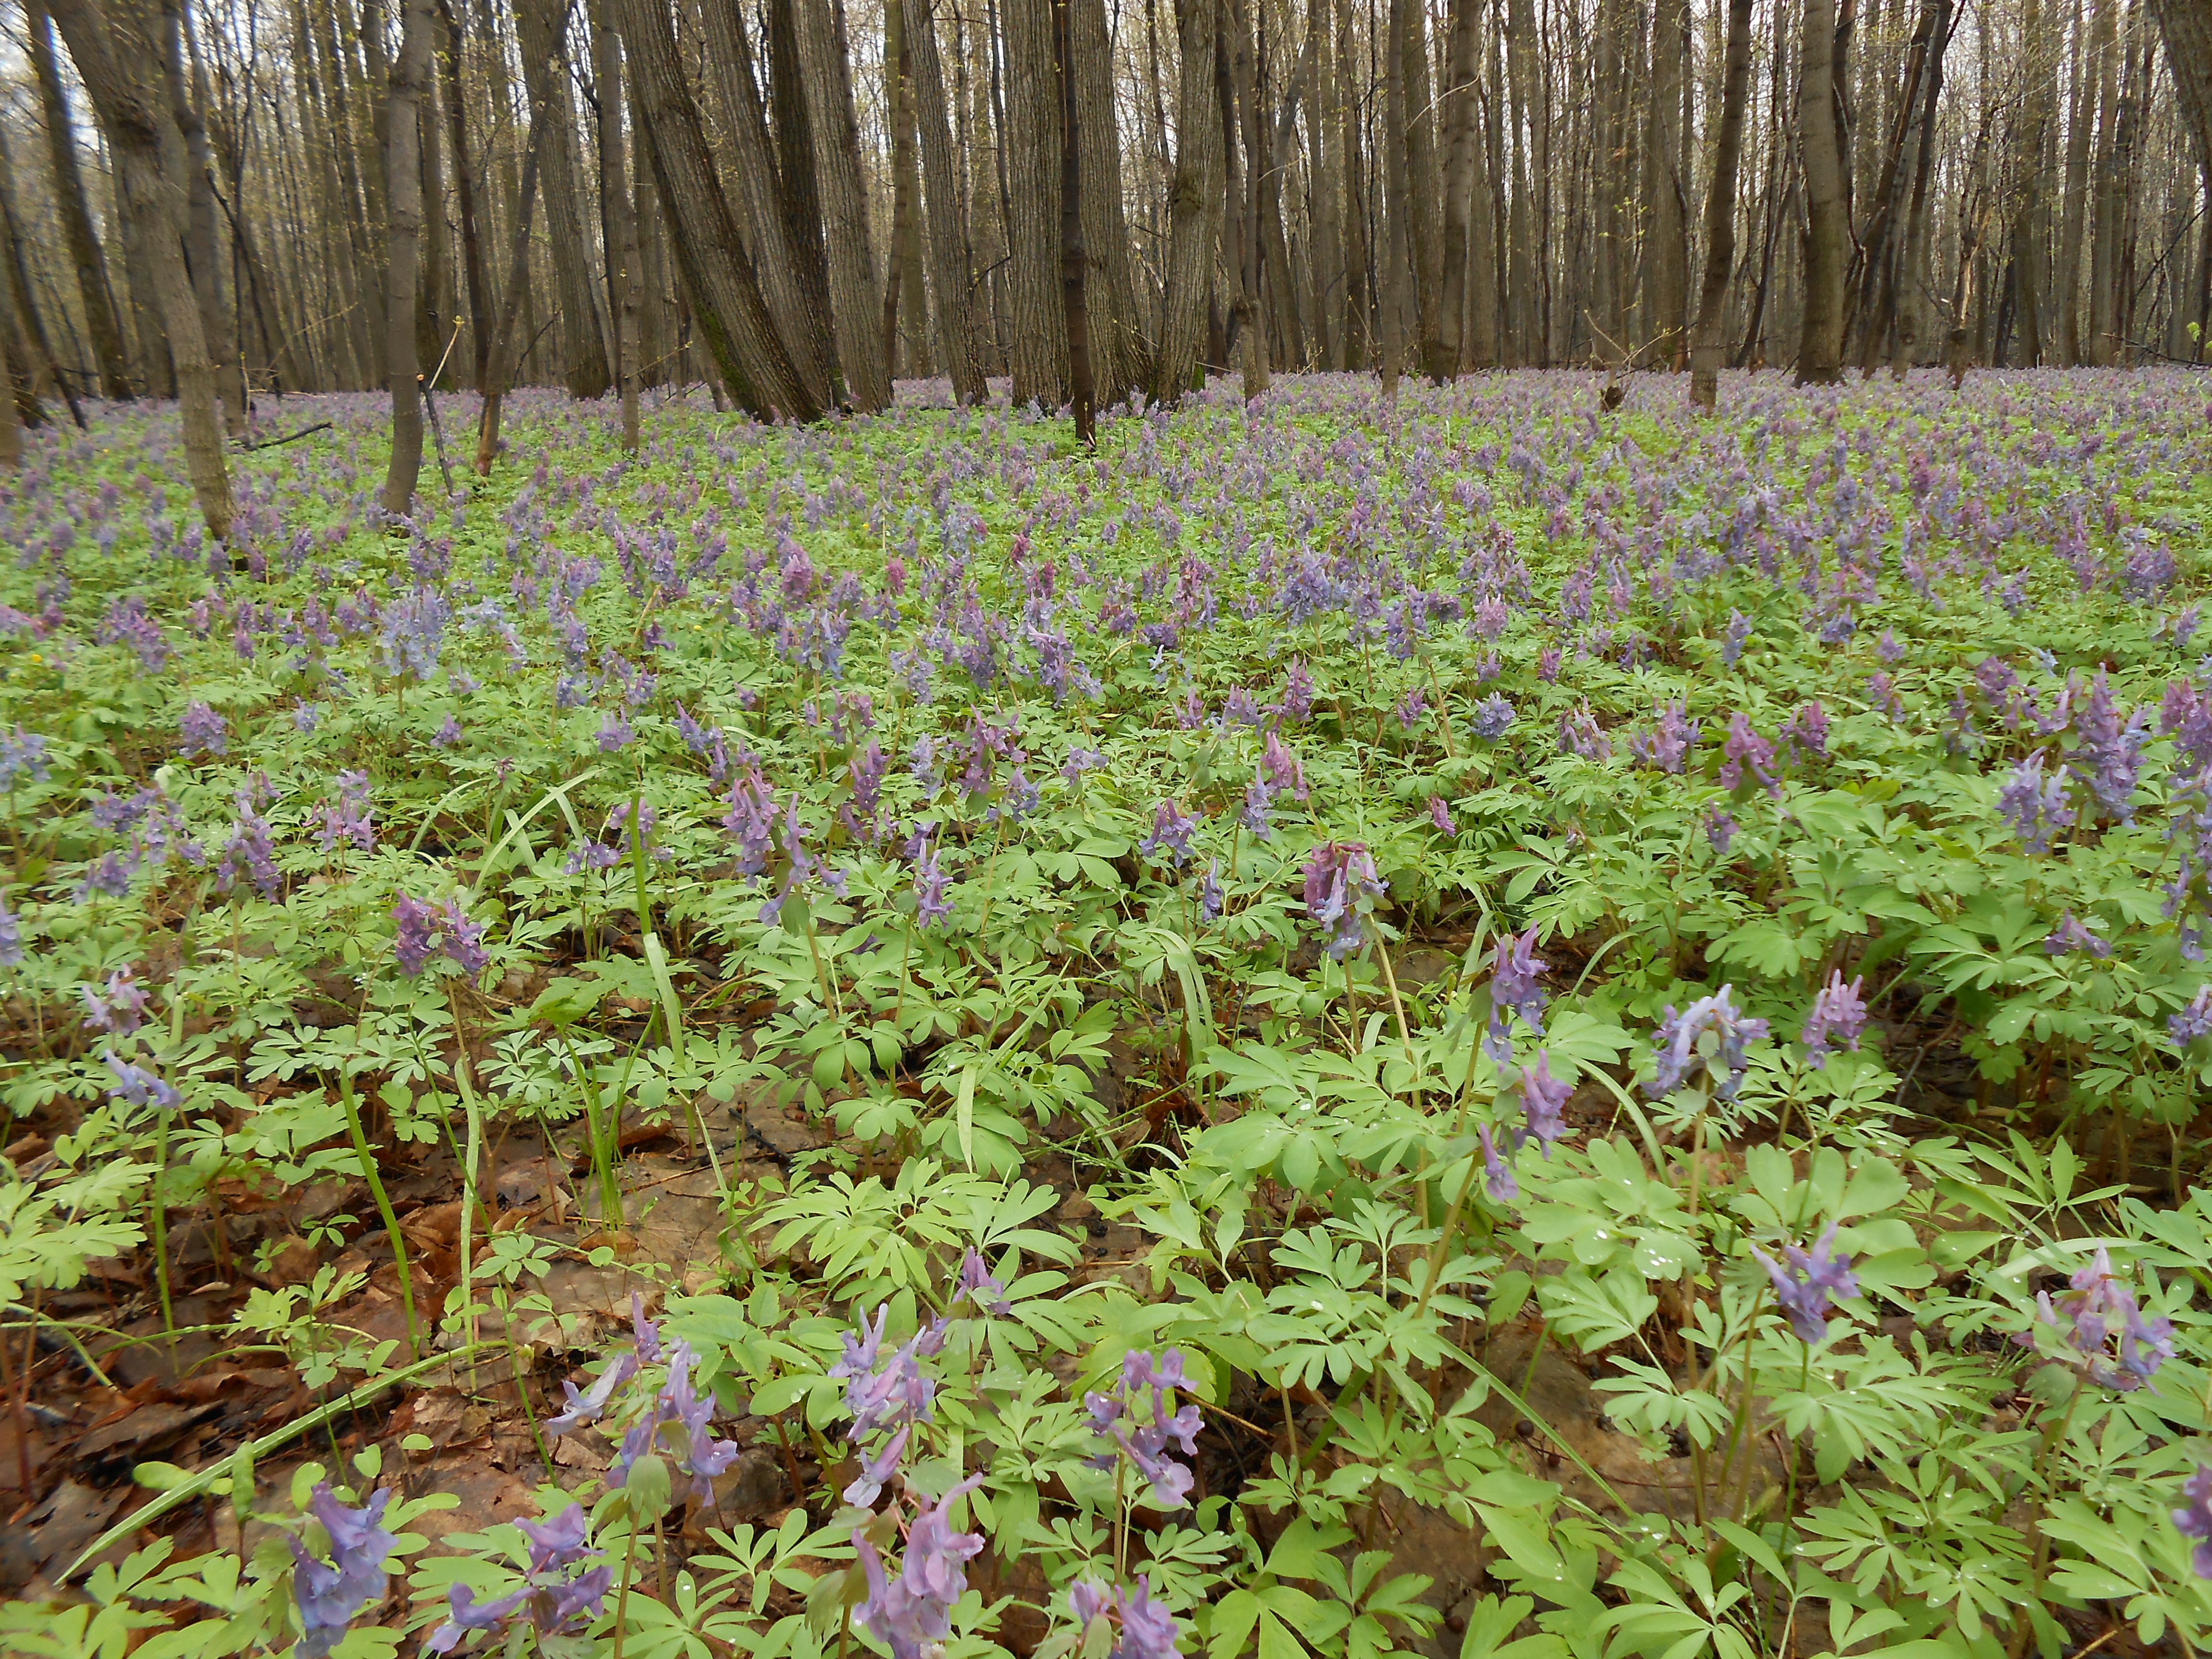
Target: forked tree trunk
{"points": [[1191, 200], [403, 194], [1827, 228], [133, 117], [1706, 347], [102, 332]]}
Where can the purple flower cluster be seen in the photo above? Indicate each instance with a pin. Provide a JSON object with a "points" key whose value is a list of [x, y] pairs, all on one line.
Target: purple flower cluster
{"points": [[1838, 1015], [1340, 888], [558, 1594], [1666, 747], [2194, 1520], [2109, 754], [1514, 987], [121, 1010], [349, 819], [2194, 1021], [1142, 1629], [140, 1086], [1138, 1419], [1745, 749], [2071, 935], [1705, 1045], [423, 929], [332, 1594], [2097, 1327], [913, 1614], [203, 731], [890, 1394], [1172, 828], [2036, 807], [1804, 1287]]}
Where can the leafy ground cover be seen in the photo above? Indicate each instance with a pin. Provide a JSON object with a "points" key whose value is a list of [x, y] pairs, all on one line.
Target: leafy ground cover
{"points": [[1512, 1030]]}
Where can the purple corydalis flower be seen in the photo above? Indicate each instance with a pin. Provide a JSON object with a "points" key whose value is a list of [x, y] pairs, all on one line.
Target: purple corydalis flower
{"points": [[122, 1009], [1514, 985], [1804, 1288], [1297, 706], [1745, 748], [422, 928], [1682, 1052], [1412, 709], [203, 731], [554, 1594], [332, 1594], [1838, 1015], [1440, 815], [1580, 734], [899, 1393], [914, 1614], [2109, 754], [1493, 718], [1497, 1177], [23, 755], [1738, 630], [2094, 1302], [1667, 746], [1340, 884], [750, 821], [2072, 935], [2194, 1021], [1210, 896], [1547, 664], [1543, 1100], [1150, 1381], [1170, 842], [1283, 769], [2034, 807], [1145, 1629], [140, 1086], [2194, 1520], [931, 907], [1720, 830]]}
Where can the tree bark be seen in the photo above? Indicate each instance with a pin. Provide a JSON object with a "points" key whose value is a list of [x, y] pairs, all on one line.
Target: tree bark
{"points": [[905, 184], [1324, 181], [102, 328], [777, 264], [583, 348], [2074, 217], [199, 227], [1461, 149], [1667, 258], [1121, 354], [1909, 283], [464, 196], [1425, 201], [1192, 203], [1828, 223], [1705, 346], [2108, 203], [853, 305], [403, 194], [623, 277], [1395, 189], [500, 369], [1526, 332], [1072, 260], [731, 313], [133, 117], [2185, 27], [1038, 348], [951, 263]]}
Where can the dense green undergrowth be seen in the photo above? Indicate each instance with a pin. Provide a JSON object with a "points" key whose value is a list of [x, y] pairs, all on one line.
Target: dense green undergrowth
{"points": [[1384, 930]]}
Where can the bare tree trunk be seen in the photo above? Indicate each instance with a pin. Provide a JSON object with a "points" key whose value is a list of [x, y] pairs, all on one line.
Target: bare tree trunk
{"points": [[1425, 201], [1238, 99], [1324, 182], [622, 273], [731, 312], [464, 191], [2109, 200], [583, 348], [2029, 232], [853, 303], [1121, 355], [905, 185], [784, 278], [1827, 223], [1527, 342], [1460, 150], [1192, 202], [433, 307], [134, 118], [12, 419], [1395, 189], [101, 327], [1667, 256], [951, 263], [1357, 332], [37, 341], [2074, 216], [501, 364], [403, 194], [200, 239], [1071, 256], [1909, 283], [1039, 312], [2185, 27], [1706, 343], [799, 182]]}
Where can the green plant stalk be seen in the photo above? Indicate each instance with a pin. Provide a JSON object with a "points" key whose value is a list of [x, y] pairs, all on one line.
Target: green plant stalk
{"points": [[384, 1211], [470, 1174], [160, 1220], [2039, 1556], [621, 1601], [1743, 1411]]}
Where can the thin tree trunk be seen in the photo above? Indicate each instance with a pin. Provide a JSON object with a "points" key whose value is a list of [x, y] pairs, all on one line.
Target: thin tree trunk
{"points": [[1706, 344], [501, 363], [583, 348], [2109, 197], [1192, 203], [403, 188], [1395, 192], [1667, 258], [1424, 200], [1121, 353], [1351, 166], [623, 277], [102, 328], [133, 117], [1827, 223], [37, 341], [465, 193], [2029, 232], [1909, 283], [731, 313], [434, 308], [905, 185], [1322, 124], [1240, 122], [1527, 342], [951, 261], [1460, 149], [1071, 255], [2074, 216], [200, 239]]}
